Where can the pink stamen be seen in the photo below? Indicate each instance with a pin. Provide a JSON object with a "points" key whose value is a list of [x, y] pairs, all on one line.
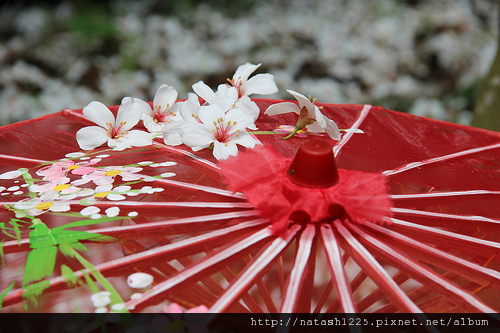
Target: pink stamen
{"points": [[222, 130], [115, 133], [237, 84]]}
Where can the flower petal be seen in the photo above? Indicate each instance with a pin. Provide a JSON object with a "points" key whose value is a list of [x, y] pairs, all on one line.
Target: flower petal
{"points": [[225, 103], [223, 150], [196, 135], [171, 135], [151, 125], [165, 97], [244, 71], [281, 108], [304, 102], [139, 138], [246, 140], [91, 137], [129, 113], [332, 129], [210, 113], [227, 91], [262, 84], [246, 105], [204, 91], [99, 114], [146, 108], [189, 107], [315, 127], [242, 119]]}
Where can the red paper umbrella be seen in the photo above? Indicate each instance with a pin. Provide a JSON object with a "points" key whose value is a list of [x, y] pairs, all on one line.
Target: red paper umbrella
{"points": [[410, 225]]}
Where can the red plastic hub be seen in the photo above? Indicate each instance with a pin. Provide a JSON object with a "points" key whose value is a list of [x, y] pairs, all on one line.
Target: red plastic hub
{"points": [[314, 165]]}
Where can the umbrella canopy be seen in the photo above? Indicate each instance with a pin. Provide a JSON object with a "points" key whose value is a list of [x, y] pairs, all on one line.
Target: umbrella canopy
{"points": [[168, 211]]}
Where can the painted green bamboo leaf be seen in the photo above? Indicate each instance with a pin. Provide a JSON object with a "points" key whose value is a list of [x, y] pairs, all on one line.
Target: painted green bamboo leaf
{"points": [[2, 255], [115, 296], [70, 276], [34, 291], [42, 258], [6, 291]]}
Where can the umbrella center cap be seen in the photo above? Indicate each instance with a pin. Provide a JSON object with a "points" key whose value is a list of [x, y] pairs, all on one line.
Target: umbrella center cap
{"points": [[314, 165]]}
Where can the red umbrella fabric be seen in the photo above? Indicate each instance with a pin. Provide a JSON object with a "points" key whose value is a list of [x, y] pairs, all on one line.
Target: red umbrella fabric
{"points": [[168, 212]]}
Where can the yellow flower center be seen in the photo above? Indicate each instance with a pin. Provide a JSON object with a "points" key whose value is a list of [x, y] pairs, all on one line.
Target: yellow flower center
{"points": [[61, 187], [112, 173], [44, 205], [102, 194], [73, 167]]}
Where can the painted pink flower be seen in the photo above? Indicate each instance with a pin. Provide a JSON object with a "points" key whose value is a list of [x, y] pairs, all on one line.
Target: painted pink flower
{"points": [[107, 175]]}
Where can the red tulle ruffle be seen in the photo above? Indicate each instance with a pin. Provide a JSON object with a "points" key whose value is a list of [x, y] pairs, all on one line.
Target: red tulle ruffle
{"points": [[261, 174]]}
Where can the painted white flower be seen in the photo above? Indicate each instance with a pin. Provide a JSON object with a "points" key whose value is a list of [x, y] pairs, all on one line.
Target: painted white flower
{"points": [[112, 211], [101, 299], [90, 210], [36, 206], [223, 130], [310, 116], [118, 307], [116, 132], [12, 174], [139, 280], [107, 191], [164, 110]]}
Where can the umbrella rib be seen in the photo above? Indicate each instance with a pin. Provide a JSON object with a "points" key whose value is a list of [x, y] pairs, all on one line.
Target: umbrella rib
{"points": [[184, 247], [416, 270], [362, 116], [413, 165], [150, 228], [469, 218], [165, 204], [442, 259], [297, 275], [332, 251], [377, 273], [254, 271], [192, 272], [22, 159], [203, 188], [442, 194], [449, 238], [76, 116], [188, 154]]}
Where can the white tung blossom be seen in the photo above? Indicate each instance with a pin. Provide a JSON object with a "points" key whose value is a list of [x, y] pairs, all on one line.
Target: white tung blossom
{"points": [[310, 116], [116, 132], [222, 129], [164, 110], [236, 94]]}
